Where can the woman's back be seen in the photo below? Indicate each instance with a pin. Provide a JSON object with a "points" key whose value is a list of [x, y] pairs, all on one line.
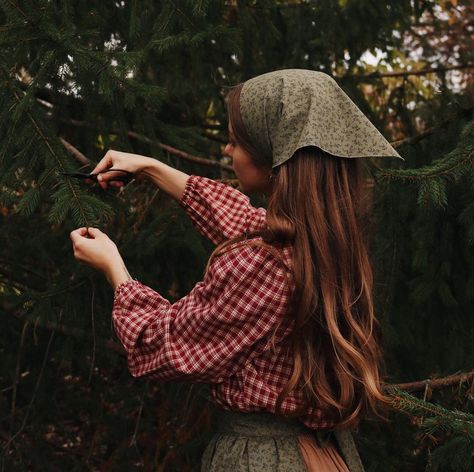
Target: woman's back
{"points": [[282, 326]]}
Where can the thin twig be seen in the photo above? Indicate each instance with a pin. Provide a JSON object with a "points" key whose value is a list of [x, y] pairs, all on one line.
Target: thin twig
{"points": [[17, 368], [13, 4], [144, 211], [93, 334], [133, 441], [414, 139], [182, 14], [35, 391]]}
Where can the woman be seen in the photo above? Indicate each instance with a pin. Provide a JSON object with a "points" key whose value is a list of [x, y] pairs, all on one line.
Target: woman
{"points": [[282, 326]]}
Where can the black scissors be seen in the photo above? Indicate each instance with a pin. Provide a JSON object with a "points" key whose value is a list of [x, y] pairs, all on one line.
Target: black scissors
{"points": [[81, 175]]}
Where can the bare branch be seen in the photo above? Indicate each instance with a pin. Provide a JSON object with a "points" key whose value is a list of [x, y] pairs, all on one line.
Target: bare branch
{"points": [[214, 137], [165, 147], [176, 152], [377, 75], [449, 381], [75, 152]]}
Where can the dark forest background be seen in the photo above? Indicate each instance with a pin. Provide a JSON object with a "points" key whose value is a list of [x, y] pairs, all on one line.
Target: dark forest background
{"points": [[149, 77]]}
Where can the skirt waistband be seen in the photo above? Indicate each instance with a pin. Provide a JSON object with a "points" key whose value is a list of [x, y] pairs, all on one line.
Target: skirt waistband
{"points": [[265, 424]]}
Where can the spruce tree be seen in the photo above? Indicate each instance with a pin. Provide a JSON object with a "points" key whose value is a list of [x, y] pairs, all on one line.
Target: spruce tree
{"points": [[78, 78]]}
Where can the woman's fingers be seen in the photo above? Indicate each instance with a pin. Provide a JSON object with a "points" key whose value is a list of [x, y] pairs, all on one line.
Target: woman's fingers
{"points": [[104, 163], [107, 179], [101, 181], [78, 233], [93, 247], [95, 232], [84, 232], [105, 169]]}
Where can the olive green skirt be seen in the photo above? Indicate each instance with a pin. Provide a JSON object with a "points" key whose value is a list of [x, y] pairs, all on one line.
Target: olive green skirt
{"points": [[263, 442]]}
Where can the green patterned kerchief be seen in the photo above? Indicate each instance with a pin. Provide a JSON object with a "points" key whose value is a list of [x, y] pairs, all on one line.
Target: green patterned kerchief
{"points": [[288, 109]]}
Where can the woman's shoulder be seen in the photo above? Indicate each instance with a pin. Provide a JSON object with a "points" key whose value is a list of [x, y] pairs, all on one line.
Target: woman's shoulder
{"points": [[259, 252], [254, 270]]}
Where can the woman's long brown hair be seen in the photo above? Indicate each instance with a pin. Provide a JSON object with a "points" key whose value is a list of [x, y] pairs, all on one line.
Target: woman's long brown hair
{"points": [[320, 204]]}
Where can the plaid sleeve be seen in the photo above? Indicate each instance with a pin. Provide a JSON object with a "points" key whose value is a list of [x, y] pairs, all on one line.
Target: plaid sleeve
{"points": [[219, 211], [213, 331]]}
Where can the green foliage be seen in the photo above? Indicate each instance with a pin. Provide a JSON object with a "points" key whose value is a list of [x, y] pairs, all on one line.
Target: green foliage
{"points": [[135, 75], [433, 178], [30, 201], [454, 427]]}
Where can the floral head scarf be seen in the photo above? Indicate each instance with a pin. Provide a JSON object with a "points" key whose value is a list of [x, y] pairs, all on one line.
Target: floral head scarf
{"points": [[288, 109]]}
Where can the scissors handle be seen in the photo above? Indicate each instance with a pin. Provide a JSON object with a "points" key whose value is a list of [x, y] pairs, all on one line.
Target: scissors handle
{"points": [[81, 175]]}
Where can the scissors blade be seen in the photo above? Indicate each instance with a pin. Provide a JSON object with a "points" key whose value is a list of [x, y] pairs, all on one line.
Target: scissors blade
{"points": [[80, 175]]}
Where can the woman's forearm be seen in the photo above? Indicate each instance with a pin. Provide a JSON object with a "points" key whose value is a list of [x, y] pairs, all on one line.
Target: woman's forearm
{"points": [[170, 180], [117, 273]]}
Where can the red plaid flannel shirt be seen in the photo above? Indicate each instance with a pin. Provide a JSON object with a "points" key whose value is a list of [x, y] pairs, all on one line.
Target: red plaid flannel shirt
{"points": [[220, 333]]}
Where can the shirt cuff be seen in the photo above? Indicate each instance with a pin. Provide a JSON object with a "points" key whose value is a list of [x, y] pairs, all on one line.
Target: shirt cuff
{"points": [[124, 287], [190, 187]]}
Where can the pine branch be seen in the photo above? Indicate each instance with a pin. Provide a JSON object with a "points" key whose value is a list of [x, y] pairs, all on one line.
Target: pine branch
{"points": [[214, 137], [436, 383], [414, 139], [213, 127], [182, 14], [206, 133], [75, 152], [189, 157], [59, 163], [14, 5], [144, 139], [166, 147], [454, 117], [378, 75], [427, 172], [407, 403]]}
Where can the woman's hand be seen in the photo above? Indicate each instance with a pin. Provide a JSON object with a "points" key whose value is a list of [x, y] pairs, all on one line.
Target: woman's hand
{"points": [[95, 248], [118, 160], [172, 181]]}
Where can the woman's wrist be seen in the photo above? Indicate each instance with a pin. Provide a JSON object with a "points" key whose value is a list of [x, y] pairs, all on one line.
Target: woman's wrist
{"points": [[172, 181], [144, 165], [117, 274]]}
